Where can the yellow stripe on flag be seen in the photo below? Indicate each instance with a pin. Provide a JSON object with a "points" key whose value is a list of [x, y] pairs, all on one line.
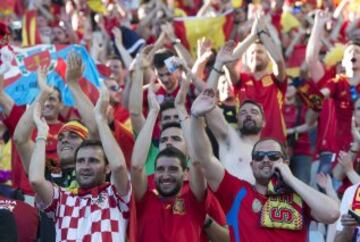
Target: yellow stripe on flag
{"points": [[32, 33], [23, 33], [211, 27]]}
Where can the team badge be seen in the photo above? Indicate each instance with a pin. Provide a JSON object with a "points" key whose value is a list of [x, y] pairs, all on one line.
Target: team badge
{"points": [[179, 206], [256, 205]]}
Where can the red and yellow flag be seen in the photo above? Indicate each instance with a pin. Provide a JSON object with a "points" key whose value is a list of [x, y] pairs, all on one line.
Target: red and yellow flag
{"points": [[7, 7], [30, 32], [190, 29]]}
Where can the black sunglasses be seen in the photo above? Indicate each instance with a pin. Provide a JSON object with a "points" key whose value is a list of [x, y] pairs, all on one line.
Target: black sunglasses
{"points": [[272, 155]]}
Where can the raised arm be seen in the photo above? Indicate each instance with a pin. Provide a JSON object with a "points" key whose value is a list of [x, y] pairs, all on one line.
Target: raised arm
{"points": [[224, 56], [203, 55], [115, 156], [239, 51], [125, 56], [74, 72], [274, 51], [136, 97], [180, 49], [6, 102], [142, 147], [41, 186], [323, 208], [197, 179], [314, 45], [24, 128], [200, 143], [215, 232]]}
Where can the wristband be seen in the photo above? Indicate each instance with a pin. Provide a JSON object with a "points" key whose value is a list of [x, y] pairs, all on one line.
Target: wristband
{"points": [[176, 41], [218, 71], [262, 32]]}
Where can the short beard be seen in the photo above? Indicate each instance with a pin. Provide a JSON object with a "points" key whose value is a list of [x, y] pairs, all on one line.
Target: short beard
{"points": [[252, 130], [171, 193]]}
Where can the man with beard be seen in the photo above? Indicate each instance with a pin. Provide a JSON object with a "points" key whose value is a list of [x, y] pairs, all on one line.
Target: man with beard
{"points": [[175, 194], [235, 145], [259, 83], [252, 211]]}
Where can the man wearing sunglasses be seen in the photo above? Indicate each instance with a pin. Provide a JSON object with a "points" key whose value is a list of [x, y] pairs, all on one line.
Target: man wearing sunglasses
{"points": [[252, 212]]}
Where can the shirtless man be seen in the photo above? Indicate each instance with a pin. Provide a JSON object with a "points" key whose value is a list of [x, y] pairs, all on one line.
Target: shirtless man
{"points": [[235, 145]]}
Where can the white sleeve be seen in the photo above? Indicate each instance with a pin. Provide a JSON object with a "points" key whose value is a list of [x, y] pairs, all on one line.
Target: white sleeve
{"points": [[346, 204]]}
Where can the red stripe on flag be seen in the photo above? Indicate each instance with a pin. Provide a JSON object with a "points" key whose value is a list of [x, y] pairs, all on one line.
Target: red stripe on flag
{"points": [[88, 88], [11, 80], [228, 25], [32, 37], [180, 32]]}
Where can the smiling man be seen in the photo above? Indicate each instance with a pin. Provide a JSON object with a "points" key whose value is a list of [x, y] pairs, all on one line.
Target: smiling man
{"points": [[98, 210], [259, 211]]}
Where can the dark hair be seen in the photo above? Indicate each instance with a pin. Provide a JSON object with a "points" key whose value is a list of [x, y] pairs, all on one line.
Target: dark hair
{"points": [[282, 146], [57, 89], [173, 153], [353, 42], [91, 143], [170, 125], [167, 104], [249, 101], [160, 56]]}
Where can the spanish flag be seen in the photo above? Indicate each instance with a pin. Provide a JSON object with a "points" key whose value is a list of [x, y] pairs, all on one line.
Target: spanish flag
{"points": [[190, 29], [30, 32]]}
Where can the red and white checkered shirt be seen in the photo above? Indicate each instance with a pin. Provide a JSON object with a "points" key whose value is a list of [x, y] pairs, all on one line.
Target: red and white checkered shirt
{"points": [[102, 216]]}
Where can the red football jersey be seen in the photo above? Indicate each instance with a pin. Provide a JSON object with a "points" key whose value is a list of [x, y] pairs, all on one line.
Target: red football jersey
{"points": [[271, 95], [178, 219], [242, 205], [19, 177], [340, 92]]}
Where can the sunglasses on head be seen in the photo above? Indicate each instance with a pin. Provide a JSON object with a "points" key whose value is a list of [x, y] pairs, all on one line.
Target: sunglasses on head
{"points": [[271, 155]]}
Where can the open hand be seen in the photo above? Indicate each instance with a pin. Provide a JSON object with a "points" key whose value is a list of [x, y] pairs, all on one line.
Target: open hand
{"points": [[204, 103], [40, 122], [75, 68], [102, 104]]}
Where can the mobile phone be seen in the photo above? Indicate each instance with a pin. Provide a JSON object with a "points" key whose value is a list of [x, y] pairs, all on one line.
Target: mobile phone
{"points": [[354, 215], [171, 64]]}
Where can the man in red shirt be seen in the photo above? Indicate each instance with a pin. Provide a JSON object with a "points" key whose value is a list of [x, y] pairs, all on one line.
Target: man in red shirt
{"points": [[246, 205], [174, 194], [26, 218], [344, 90], [259, 84]]}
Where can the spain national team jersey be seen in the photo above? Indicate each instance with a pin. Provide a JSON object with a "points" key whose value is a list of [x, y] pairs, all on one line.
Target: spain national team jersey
{"points": [[271, 95], [178, 219], [340, 92], [242, 205], [326, 129]]}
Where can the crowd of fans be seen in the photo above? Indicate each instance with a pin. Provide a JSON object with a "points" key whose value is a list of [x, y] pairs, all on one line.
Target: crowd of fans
{"points": [[257, 140]]}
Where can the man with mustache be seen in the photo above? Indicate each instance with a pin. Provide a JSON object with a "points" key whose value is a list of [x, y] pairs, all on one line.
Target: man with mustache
{"points": [[260, 211], [235, 144]]}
